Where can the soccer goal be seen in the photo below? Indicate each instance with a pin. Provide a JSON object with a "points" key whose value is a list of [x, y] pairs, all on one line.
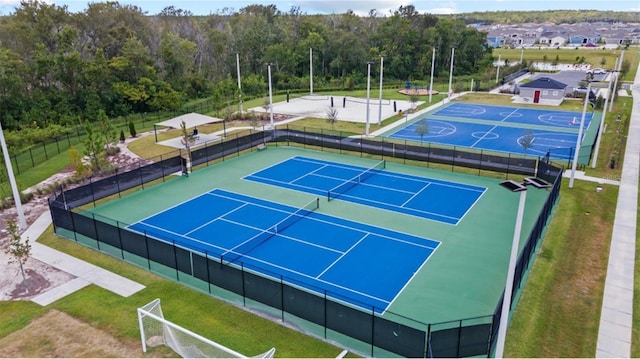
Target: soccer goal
{"points": [[155, 330]]}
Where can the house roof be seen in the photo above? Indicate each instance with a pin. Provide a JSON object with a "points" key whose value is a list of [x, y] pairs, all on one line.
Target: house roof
{"points": [[545, 83]]}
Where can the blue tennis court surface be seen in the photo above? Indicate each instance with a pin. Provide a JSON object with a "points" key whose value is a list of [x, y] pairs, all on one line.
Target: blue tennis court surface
{"points": [[423, 197], [492, 137], [361, 264], [566, 119]]}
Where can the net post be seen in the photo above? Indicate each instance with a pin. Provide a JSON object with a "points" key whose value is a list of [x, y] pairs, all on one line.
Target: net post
{"points": [[142, 334]]}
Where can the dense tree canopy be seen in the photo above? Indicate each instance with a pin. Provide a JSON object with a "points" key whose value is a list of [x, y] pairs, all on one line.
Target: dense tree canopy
{"points": [[58, 67]]}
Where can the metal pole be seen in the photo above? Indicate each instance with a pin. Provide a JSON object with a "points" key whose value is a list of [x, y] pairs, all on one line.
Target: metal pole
{"points": [[453, 50], [521, 54], [600, 129], [433, 62], [22, 222], [508, 289], [380, 98], [368, 95], [239, 85], [311, 71], [615, 85], [579, 140], [270, 96], [498, 65]]}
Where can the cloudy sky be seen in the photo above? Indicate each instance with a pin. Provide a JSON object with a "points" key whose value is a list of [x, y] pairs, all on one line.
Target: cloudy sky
{"points": [[361, 7]]}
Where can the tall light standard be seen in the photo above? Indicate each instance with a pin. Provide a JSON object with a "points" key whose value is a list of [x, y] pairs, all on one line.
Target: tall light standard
{"points": [[368, 95], [515, 244], [498, 70], [433, 63], [380, 98], [239, 85], [453, 51], [594, 161], [270, 95], [311, 71], [587, 98], [22, 222]]}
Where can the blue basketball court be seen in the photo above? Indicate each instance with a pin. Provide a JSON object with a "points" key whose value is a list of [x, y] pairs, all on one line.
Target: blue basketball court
{"points": [[528, 116], [499, 129], [361, 264], [437, 200]]}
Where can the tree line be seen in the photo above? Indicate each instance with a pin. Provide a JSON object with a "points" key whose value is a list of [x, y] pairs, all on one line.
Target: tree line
{"points": [[59, 68]]}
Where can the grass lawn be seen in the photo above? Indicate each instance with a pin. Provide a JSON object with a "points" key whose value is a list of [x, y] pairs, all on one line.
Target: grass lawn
{"points": [[225, 323], [558, 314]]}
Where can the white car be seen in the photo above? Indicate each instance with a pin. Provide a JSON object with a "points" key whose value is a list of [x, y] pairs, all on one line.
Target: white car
{"points": [[597, 71]]}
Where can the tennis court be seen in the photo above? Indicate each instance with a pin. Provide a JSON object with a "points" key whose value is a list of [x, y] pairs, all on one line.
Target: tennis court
{"points": [[502, 129], [437, 200], [329, 255]]}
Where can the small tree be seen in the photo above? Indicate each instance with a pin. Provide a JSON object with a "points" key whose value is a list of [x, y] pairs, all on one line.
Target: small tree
{"points": [[94, 148], [122, 138], [187, 141], [75, 160], [413, 98], [18, 250], [266, 105], [132, 129], [332, 116], [526, 141], [603, 61], [422, 128], [107, 130]]}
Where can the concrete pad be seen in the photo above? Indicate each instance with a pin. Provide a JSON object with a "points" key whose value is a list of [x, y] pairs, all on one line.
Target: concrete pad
{"points": [[113, 282], [354, 109], [612, 348], [60, 291]]}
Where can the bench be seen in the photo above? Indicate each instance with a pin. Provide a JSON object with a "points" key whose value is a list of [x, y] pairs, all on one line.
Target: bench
{"points": [[261, 147], [536, 182]]}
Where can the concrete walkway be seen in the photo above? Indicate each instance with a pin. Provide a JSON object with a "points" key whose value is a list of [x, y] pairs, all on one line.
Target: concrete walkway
{"points": [[86, 273], [616, 317]]}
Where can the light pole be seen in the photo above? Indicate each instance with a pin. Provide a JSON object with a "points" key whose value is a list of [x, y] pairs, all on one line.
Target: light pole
{"points": [[594, 161], [498, 70], [453, 51], [368, 95], [270, 95], [380, 98], [239, 85], [433, 62], [508, 289], [579, 140], [22, 222]]}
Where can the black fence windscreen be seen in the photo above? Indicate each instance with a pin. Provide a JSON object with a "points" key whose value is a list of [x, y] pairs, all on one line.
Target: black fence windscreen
{"points": [[403, 337]]}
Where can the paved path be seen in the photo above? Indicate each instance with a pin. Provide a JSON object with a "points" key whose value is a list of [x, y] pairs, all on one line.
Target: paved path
{"points": [[85, 273], [616, 317]]}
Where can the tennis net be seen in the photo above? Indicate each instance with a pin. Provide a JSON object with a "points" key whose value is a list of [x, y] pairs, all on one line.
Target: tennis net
{"points": [[361, 177], [247, 246]]}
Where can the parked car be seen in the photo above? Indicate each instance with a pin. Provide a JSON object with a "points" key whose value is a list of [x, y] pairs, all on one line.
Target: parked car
{"points": [[597, 71], [577, 90]]}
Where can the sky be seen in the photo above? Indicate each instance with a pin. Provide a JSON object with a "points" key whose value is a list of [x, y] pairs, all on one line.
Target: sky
{"points": [[360, 7]]}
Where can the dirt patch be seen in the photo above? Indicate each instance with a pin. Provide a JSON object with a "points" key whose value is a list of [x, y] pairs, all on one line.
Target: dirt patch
{"points": [[56, 334], [40, 276], [419, 92]]}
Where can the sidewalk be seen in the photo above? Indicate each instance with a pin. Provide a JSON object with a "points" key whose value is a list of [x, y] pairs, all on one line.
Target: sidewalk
{"points": [[86, 273], [616, 317]]}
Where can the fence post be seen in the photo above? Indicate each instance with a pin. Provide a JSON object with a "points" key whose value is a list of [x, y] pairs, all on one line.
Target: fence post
{"points": [[15, 160]]}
